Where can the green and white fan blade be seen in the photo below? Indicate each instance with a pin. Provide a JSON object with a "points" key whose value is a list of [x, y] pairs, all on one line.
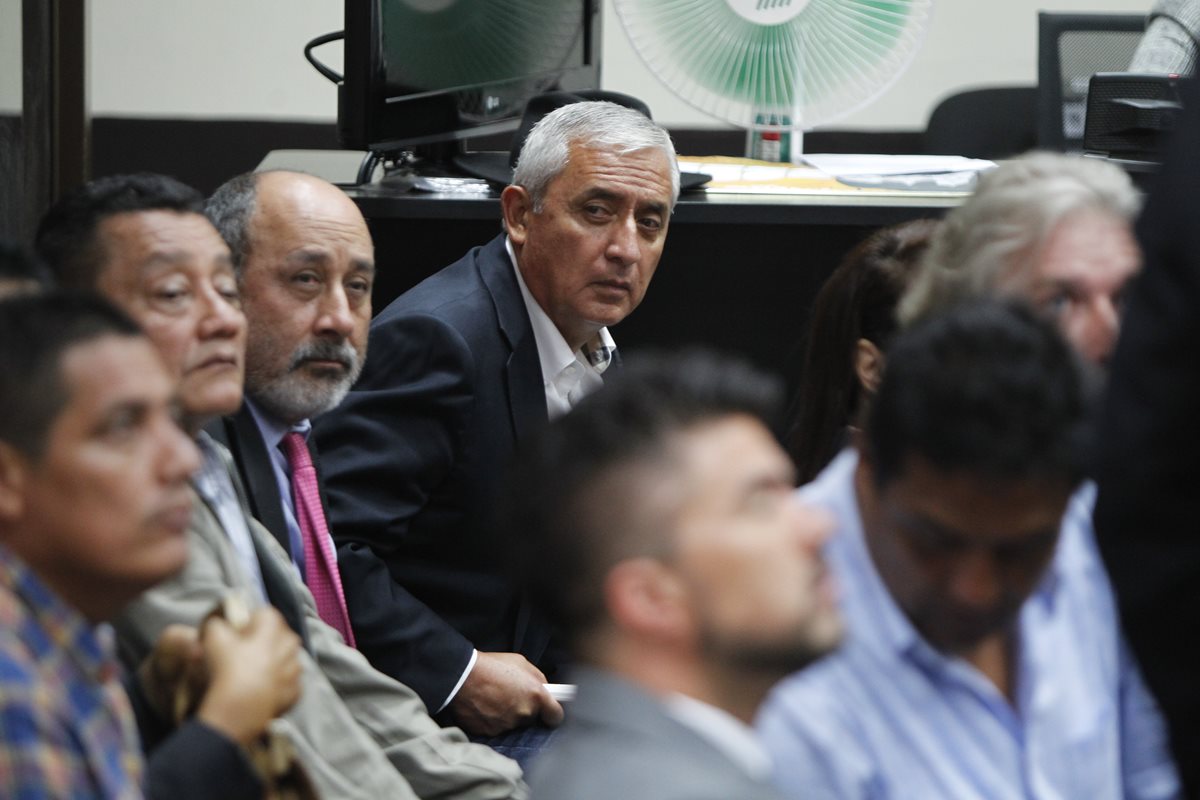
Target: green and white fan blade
{"points": [[796, 62]]}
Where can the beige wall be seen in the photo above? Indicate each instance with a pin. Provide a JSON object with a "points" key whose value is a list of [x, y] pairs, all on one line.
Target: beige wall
{"points": [[242, 58], [10, 56]]}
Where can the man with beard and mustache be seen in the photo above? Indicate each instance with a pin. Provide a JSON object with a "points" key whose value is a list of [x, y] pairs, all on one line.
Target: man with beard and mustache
{"points": [[305, 266], [656, 525], [984, 657]]}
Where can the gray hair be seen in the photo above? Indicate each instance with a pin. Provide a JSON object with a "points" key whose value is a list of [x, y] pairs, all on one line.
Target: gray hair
{"points": [[230, 209], [593, 124], [1000, 228]]}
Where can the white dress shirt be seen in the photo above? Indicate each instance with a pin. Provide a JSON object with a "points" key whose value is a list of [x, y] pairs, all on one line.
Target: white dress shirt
{"points": [[723, 731], [567, 375]]}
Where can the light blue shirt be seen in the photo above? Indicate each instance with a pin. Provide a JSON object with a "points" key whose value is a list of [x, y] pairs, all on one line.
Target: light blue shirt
{"points": [[887, 716]]}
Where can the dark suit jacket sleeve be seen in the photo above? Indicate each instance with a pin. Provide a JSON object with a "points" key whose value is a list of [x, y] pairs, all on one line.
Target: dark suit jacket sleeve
{"points": [[384, 452], [197, 763], [192, 762], [1148, 511]]}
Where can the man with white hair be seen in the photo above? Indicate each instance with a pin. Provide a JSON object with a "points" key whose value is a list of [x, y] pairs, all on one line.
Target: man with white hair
{"points": [[1054, 229], [463, 367]]}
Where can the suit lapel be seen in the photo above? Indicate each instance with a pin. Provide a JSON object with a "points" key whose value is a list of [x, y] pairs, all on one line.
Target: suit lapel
{"points": [[526, 401], [526, 392], [609, 702], [254, 464]]}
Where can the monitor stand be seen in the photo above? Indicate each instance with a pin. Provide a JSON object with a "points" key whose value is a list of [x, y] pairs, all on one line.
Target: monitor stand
{"points": [[440, 160], [492, 166]]}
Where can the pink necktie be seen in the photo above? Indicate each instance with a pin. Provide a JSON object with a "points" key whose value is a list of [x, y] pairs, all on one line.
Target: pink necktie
{"points": [[320, 564]]}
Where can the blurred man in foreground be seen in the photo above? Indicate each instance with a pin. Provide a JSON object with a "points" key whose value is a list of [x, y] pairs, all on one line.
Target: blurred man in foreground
{"points": [[94, 508], [984, 657], [658, 529], [1053, 229]]}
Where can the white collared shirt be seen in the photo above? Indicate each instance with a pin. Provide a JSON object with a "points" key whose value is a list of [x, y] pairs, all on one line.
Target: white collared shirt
{"points": [[567, 376], [723, 731]]}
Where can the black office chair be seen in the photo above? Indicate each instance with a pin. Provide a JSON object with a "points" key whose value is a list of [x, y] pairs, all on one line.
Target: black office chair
{"points": [[1071, 49], [994, 122]]}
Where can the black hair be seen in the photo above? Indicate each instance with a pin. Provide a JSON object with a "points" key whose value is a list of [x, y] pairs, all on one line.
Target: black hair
{"points": [[565, 537], [858, 301], [989, 388], [66, 236], [36, 331], [19, 266]]}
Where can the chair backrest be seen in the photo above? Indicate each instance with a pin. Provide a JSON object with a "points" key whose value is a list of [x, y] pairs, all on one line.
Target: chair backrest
{"points": [[1072, 48], [992, 122]]}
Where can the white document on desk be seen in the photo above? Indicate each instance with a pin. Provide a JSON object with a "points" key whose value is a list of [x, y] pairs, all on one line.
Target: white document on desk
{"points": [[935, 182], [847, 165]]}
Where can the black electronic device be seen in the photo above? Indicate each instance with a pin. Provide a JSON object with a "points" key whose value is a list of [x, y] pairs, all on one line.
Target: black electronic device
{"points": [[1129, 115], [422, 76]]}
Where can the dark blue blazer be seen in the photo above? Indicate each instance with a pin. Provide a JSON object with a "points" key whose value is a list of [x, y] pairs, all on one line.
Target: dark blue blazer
{"points": [[411, 461]]}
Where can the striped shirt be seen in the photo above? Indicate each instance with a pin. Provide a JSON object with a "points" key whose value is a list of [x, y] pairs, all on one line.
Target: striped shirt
{"points": [[66, 728], [887, 716]]}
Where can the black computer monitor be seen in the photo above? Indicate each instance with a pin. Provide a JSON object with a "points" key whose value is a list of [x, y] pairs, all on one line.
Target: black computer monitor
{"points": [[1130, 115], [424, 75], [1071, 49]]}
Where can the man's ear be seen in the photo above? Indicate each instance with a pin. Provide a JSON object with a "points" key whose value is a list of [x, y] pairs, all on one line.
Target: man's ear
{"points": [[868, 365], [14, 468], [645, 597], [517, 206]]}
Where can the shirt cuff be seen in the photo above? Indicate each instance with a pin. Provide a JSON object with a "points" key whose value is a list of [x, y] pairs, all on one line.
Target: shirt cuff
{"points": [[461, 680]]}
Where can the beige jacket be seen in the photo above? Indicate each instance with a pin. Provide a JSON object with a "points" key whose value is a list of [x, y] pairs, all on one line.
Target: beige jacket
{"points": [[360, 733]]}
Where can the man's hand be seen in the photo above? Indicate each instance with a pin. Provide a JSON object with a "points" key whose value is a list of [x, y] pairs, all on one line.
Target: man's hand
{"points": [[503, 691], [253, 674]]}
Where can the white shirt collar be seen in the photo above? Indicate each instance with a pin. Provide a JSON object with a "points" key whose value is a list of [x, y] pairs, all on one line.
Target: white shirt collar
{"points": [[567, 375], [724, 731]]}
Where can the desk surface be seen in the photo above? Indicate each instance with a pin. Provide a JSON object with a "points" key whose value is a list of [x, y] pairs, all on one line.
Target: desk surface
{"points": [[395, 199], [739, 271], [383, 201]]}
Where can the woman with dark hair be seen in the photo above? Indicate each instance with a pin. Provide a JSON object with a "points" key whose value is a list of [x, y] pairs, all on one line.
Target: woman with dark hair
{"points": [[853, 318]]}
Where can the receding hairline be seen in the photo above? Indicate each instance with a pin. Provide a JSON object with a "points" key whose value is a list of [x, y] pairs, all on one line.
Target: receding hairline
{"points": [[284, 193]]}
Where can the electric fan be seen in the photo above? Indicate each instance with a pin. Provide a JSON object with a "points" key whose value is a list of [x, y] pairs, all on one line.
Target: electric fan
{"points": [[776, 65]]}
